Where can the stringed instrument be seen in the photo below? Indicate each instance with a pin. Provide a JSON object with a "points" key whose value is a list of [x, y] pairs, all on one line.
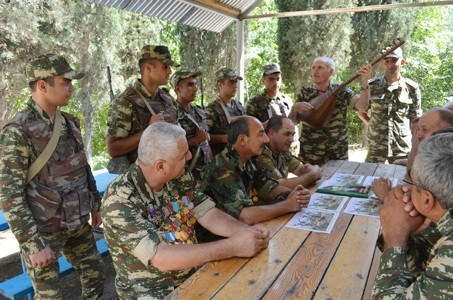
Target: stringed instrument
{"points": [[324, 105]]}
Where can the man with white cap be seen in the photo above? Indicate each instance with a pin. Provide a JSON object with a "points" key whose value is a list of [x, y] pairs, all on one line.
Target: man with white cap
{"points": [[394, 102]]}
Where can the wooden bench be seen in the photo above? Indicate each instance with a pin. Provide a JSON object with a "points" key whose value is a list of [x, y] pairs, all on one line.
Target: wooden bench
{"points": [[20, 286], [102, 177]]}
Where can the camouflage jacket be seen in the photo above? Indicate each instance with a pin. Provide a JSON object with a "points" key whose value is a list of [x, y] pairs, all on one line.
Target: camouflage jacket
{"points": [[129, 115], [395, 281], [61, 196], [191, 121], [264, 107], [317, 146], [391, 107], [229, 182], [218, 121], [136, 220], [271, 168]]}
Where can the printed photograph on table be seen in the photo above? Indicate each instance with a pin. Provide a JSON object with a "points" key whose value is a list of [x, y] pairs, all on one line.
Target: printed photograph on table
{"points": [[369, 181], [327, 202], [313, 220], [363, 207]]}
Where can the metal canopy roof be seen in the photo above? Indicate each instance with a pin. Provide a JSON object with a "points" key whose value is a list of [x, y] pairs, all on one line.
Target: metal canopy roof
{"points": [[213, 15]]}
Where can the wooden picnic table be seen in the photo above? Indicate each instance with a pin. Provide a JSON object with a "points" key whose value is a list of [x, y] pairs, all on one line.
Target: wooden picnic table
{"points": [[301, 264]]}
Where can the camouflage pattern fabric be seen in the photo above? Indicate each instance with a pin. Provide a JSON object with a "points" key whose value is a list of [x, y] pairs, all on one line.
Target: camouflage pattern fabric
{"points": [[79, 249], [51, 65], [129, 115], [198, 115], [59, 199], [229, 182], [159, 52], [217, 121], [136, 220], [391, 107], [227, 73], [270, 169], [395, 281], [259, 105], [317, 146]]}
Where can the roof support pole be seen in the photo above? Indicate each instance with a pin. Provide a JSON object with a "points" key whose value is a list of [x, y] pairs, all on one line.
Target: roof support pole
{"points": [[240, 59]]}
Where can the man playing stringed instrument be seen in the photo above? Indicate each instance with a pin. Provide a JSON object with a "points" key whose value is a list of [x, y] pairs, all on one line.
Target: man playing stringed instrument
{"points": [[317, 146], [394, 102]]}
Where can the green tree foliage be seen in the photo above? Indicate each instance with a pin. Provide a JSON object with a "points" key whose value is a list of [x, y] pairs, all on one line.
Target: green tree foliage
{"points": [[302, 39], [208, 51]]}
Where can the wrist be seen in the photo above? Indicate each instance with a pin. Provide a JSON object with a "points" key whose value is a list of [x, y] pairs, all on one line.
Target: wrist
{"points": [[364, 87]]}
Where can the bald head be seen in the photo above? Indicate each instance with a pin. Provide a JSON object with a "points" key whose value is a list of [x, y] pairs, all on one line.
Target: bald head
{"points": [[432, 120], [449, 105]]}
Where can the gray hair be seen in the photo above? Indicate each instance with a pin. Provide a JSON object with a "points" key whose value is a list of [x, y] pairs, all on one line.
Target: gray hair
{"points": [[159, 141], [433, 167], [326, 60]]}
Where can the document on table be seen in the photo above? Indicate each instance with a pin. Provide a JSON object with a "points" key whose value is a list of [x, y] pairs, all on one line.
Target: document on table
{"points": [[369, 180], [313, 220], [363, 207]]}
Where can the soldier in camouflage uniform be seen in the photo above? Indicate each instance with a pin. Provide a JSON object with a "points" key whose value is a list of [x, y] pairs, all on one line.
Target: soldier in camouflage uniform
{"points": [[149, 216], [394, 102], [223, 109], [49, 213], [229, 178], [420, 265], [139, 105], [276, 161], [270, 102], [193, 120], [317, 146]]}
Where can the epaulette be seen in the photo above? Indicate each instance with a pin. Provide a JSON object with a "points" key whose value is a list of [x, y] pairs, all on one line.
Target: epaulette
{"points": [[411, 83]]}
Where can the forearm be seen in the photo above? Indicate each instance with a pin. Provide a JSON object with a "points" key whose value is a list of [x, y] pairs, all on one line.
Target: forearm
{"points": [[121, 146], [179, 257], [260, 213], [364, 117], [220, 223], [364, 101]]}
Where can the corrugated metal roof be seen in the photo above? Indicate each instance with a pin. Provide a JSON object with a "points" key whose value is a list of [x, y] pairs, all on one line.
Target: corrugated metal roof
{"points": [[213, 15]]}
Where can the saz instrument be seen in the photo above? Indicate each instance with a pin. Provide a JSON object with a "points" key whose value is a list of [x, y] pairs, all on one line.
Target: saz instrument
{"points": [[323, 105]]}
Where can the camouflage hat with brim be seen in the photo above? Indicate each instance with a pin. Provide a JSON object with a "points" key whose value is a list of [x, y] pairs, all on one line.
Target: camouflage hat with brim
{"points": [[51, 65], [271, 69], [226, 73], [397, 53], [182, 74], [158, 52]]}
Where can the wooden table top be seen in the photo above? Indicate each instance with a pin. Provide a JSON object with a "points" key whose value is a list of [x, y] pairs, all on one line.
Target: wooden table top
{"points": [[300, 264]]}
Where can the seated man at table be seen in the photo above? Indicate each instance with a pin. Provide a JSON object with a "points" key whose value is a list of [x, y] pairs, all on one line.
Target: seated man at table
{"points": [[149, 215], [276, 161], [417, 259], [229, 178], [431, 121]]}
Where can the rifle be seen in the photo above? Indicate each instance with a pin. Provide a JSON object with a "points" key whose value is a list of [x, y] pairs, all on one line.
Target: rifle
{"points": [[109, 78], [323, 105]]}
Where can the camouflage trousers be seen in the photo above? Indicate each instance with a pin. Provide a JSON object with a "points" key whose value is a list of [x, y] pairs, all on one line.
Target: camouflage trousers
{"points": [[79, 248], [319, 154], [380, 155]]}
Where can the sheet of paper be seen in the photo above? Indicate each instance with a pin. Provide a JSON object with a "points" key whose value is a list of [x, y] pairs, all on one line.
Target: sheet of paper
{"points": [[363, 207], [327, 202], [342, 179], [313, 220]]}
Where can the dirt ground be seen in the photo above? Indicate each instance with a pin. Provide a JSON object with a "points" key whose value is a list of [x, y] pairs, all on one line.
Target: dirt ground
{"points": [[10, 265]]}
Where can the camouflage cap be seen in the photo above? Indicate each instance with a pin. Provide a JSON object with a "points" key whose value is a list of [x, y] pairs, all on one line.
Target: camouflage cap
{"points": [[271, 69], [157, 52], [51, 65], [397, 53], [182, 74], [224, 73]]}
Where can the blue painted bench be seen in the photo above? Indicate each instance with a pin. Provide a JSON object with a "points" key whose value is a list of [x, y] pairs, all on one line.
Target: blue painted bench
{"points": [[103, 178], [20, 286]]}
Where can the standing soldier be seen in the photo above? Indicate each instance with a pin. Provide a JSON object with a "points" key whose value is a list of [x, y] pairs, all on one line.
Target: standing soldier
{"points": [[139, 105], [394, 102], [317, 146], [193, 120], [223, 109], [47, 189], [270, 102]]}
